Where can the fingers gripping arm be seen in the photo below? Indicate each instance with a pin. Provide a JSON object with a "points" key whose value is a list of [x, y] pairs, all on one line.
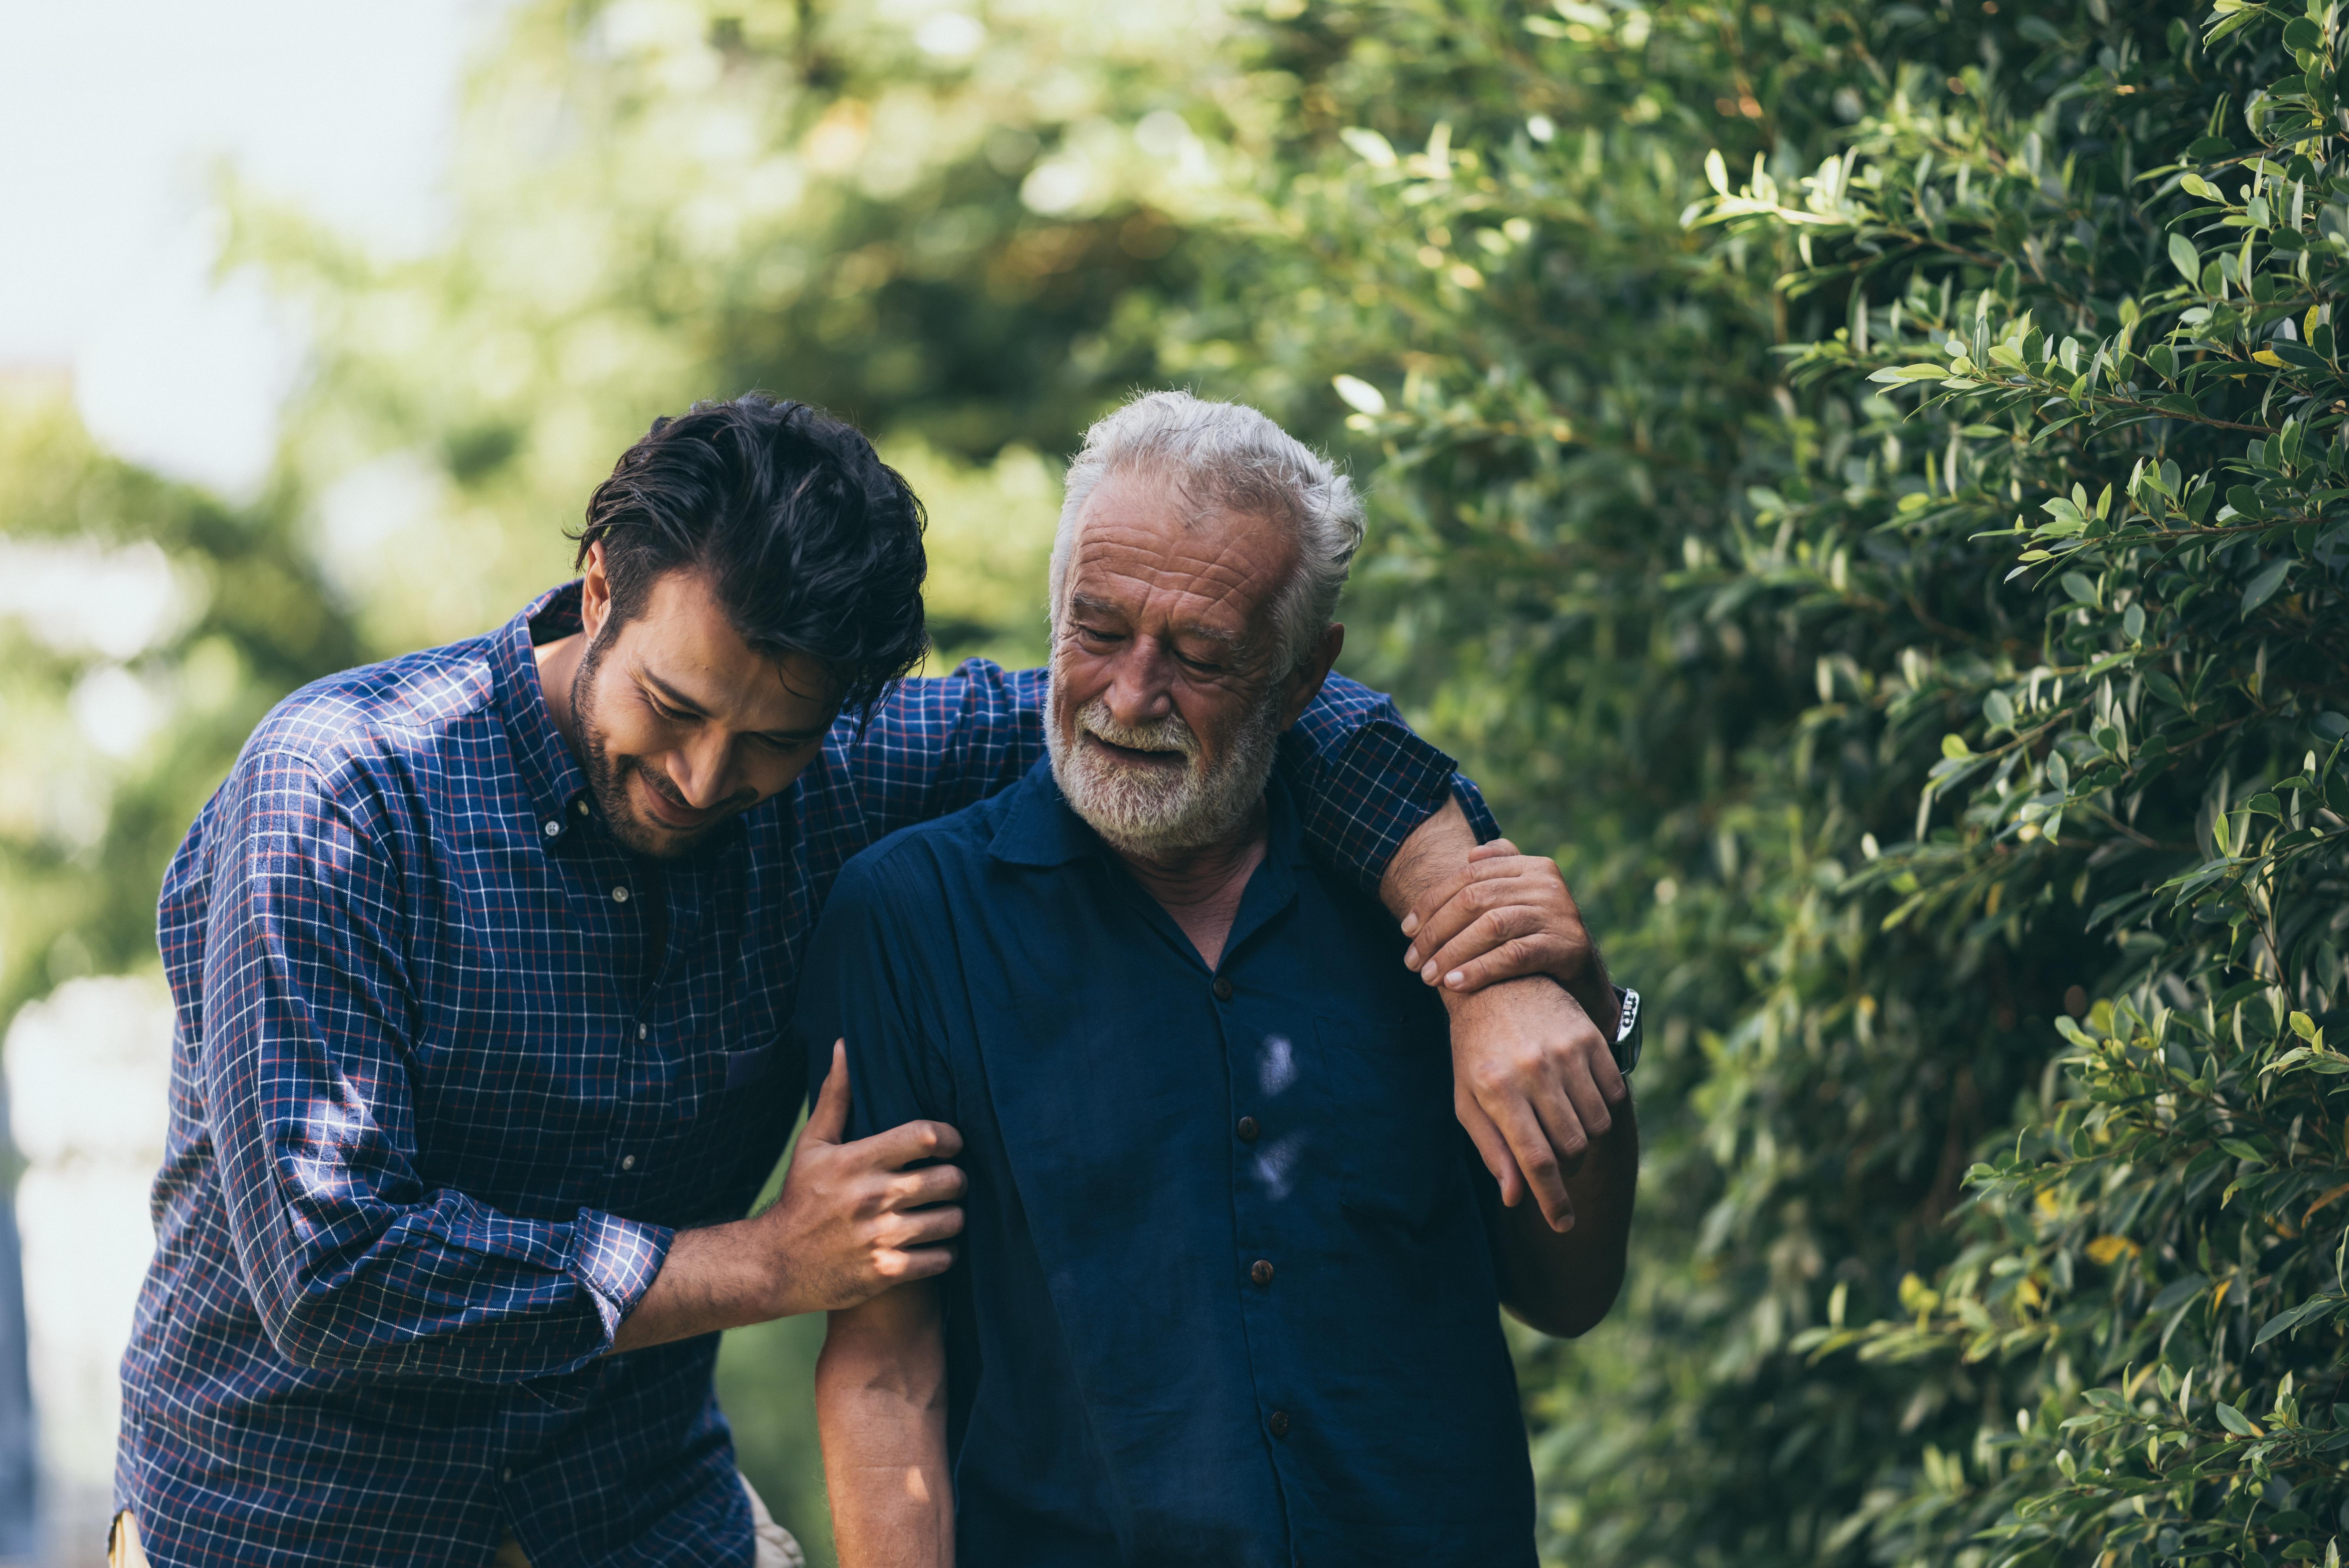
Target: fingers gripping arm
{"points": [[852, 1222]]}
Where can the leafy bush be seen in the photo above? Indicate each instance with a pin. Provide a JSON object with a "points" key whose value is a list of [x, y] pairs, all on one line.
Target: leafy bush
{"points": [[2134, 388]]}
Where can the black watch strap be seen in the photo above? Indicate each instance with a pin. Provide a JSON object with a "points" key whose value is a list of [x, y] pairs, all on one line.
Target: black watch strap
{"points": [[1627, 1029]]}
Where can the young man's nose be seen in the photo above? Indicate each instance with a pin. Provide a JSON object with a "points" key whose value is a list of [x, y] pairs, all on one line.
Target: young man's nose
{"points": [[703, 771]]}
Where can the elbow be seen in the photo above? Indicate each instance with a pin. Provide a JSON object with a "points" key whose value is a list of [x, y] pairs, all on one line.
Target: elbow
{"points": [[309, 1330], [1568, 1311]]}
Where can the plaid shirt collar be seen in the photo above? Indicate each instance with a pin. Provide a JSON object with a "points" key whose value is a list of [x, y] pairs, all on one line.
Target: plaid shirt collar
{"points": [[557, 785]]}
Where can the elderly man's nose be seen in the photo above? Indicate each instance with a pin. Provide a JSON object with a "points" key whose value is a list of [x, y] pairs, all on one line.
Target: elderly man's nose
{"points": [[1138, 690]]}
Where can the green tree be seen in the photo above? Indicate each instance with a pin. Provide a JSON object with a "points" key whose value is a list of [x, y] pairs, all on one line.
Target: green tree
{"points": [[951, 227], [152, 628]]}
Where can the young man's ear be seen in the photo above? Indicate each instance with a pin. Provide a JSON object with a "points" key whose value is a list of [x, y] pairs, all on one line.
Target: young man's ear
{"points": [[595, 592]]}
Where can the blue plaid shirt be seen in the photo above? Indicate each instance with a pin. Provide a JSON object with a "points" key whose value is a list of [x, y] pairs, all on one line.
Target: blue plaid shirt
{"points": [[440, 1102]]}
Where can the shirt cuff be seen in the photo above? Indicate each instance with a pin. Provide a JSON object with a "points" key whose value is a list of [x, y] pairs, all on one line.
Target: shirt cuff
{"points": [[616, 1260], [1473, 807]]}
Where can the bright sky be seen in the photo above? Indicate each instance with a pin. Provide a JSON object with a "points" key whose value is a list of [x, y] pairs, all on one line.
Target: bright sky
{"points": [[115, 114]]}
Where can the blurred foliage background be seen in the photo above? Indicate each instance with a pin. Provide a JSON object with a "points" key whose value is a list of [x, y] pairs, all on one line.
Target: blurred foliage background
{"points": [[1796, 443]]}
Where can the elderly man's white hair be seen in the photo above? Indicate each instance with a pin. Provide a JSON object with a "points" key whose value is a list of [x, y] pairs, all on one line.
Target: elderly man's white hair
{"points": [[1229, 457]]}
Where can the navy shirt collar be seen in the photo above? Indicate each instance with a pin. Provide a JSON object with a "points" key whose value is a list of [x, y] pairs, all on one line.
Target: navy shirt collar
{"points": [[1040, 828]]}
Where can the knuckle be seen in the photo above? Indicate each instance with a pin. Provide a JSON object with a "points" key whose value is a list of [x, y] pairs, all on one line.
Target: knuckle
{"points": [[1487, 1077]]}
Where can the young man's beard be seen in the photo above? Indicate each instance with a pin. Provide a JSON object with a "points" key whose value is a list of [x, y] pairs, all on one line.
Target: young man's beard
{"points": [[608, 782], [1142, 810]]}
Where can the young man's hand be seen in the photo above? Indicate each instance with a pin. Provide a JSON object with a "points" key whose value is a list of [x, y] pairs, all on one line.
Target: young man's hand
{"points": [[854, 1220]]}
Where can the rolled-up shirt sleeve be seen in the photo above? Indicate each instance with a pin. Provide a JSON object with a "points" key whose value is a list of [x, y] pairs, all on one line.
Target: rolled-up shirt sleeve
{"points": [[354, 1262], [1363, 780]]}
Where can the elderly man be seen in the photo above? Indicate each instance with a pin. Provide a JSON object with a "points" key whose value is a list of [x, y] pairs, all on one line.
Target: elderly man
{"points": [[1227, 1284]]}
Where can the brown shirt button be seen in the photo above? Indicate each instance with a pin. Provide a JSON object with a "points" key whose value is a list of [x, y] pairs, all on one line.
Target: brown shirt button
{"points": [[1248, 1129], [1223, 988], [1261, 1271], [1280, 1423]]}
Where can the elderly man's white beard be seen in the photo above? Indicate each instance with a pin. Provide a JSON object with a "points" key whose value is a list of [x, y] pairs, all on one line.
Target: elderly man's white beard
{"points": [[1146, 810]]}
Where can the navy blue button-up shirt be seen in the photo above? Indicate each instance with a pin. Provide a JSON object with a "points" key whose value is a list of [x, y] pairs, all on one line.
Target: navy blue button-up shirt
{"points": [[1227, 1293], [439, 1104]]}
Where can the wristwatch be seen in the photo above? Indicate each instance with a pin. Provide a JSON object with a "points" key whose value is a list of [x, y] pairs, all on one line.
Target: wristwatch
{"points": [[1627, 1029]]}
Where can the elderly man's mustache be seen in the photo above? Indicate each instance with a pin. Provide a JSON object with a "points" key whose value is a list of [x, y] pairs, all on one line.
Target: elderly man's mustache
{"points": [[1171, 733]]}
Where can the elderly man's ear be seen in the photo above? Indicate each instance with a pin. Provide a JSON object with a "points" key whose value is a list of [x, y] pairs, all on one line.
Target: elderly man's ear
{"points": [[1312, 673]]}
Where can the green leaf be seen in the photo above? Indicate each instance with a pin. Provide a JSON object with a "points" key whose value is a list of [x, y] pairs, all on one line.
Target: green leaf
{"points": [[2186, 259], [2082, 587], [2265, 582], [2301, 33], [2284, 1322], [1955, 748], [2235, 1421]]}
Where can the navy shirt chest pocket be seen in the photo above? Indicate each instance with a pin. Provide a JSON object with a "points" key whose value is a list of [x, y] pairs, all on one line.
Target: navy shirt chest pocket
{"points": [[1389, 1083]]}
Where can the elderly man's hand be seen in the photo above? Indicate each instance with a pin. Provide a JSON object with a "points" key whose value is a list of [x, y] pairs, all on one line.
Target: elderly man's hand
{"points": [[1532, 1080], [1533, 1074]]}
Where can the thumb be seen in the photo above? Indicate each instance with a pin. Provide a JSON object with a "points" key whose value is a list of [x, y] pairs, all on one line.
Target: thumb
{"points": [[828, 1120]]}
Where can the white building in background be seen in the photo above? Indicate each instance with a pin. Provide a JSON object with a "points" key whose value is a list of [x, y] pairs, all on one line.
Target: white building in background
{"points": [[88, 1074]]}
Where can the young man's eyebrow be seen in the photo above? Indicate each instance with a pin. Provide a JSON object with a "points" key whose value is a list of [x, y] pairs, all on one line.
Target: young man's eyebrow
{"points": [[678, 699]]}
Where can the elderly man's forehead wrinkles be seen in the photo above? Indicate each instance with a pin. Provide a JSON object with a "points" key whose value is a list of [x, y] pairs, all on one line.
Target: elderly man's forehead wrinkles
{"points": [[1221, 563]]}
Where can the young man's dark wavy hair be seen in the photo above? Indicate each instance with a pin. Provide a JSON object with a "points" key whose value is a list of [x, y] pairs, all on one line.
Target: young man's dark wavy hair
{"points": [[811, 544]]}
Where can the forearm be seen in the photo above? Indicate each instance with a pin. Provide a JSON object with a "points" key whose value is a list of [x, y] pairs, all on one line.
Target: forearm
{"points": [[1564, 1283], [711, 1282], [880, 1400]]}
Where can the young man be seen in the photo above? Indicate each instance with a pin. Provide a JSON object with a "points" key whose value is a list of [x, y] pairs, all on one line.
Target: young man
{"points": [[1229, 1274], [483, 958]]}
